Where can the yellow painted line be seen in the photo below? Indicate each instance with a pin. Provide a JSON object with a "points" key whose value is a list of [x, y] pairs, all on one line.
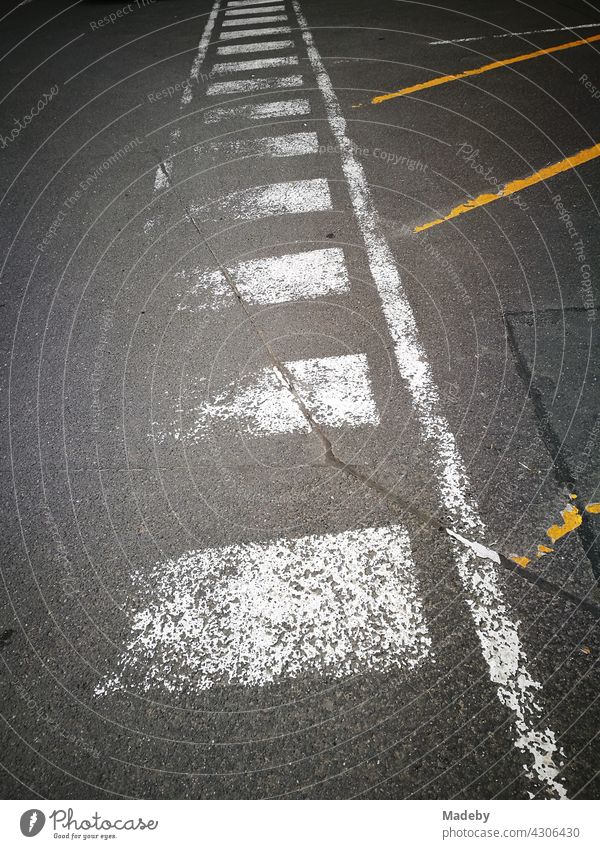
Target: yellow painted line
{"points": [[518, 185], [472, 72], [572, 518], [521, 561], [593, 508], [543, 549]]}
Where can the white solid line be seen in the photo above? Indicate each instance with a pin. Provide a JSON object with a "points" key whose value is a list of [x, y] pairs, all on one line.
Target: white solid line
{"points": [[291, 144], [337, 605], [252, 33], [266, 11], [253, 64], [297, 196], [269, 280], [240, 22], [254, 47], [258, 111], [509, 34], [261, 84], [186, 97], [497, 633], [337, 391]]}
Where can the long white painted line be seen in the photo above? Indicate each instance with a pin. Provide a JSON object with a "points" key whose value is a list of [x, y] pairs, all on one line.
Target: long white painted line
{"points": [[268, 19], [510, 34], [186, 97], [295, 197], [259, 111], [269, 280], [290, 144], [337, 391], [497, 632], [260, 84], [266, 11], [253, 64], [252, 33], [254, 47], [258, 613]]}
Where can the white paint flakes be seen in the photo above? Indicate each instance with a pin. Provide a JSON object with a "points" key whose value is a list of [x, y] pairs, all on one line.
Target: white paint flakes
{"points": [[252, 33], [336, 390], [259, 111], [261, 84], [297, 196], [290, 144], [254, 47], [240, 3], [476, 547], [262, 613], [253, 64], [162, 175], [271, 280], [240, 22], [497, 633], [267, 10]]}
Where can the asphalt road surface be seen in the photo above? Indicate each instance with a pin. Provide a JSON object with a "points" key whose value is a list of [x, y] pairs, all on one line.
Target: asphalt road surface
{"points": [[300, 399]]}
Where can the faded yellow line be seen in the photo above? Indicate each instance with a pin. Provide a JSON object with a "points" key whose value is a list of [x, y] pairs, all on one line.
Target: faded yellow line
{"points": [[517, 185], [472, 72]]}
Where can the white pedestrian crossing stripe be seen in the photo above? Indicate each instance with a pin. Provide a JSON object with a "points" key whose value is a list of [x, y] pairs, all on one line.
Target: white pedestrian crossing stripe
{"points": [[295, 197], [252, 33], [264, 84], [267, 10], [268, 19], [254, 47], [263, 613], [290, 144], [259, 111], [253, 64]]}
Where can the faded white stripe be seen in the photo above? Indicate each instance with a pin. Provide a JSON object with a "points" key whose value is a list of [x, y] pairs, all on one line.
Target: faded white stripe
{"points": [[252, 33], [298, 196], [240, 22], [259, 111], [336, 390], [234, 3], [509, 34], [265, 10], [497, 633], [269, 280], [253, 64], [261, 84], [291, 144], [186, 97], [259, 613], [255, 47]]}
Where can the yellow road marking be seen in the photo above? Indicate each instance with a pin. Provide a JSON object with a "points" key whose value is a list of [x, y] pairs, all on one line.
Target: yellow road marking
{"points": [[472, 72], [518, 185], [543, 549], [593, 508], [571, 519], [521, 561]]}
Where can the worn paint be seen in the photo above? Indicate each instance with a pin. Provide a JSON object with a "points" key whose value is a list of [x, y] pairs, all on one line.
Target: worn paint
{"points": [[258, 111], [520, 561], [253, 64], [491, 66], [571, 519], [254, 47], [517, 185], [593, 508], [252, 33], [263, 613], [289, 144], [240, 22], [289, 198], [249, 85], [512, 34]]}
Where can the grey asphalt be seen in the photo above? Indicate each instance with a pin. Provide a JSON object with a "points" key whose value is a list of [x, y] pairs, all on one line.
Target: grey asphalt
{"points": [[99, 359]]}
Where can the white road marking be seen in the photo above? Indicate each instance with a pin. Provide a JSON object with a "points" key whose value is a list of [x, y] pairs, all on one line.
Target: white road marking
{"points": [[186, 97], [497, 633], [259, 111], [255, 47], [290, 144], [162, 175], [289, 198], [253, 64], [259, 613], [240, 22], [510, 34], [234, 3], [252, 33], [270, 280], [337, 391], [266, 10], [260, 84]]}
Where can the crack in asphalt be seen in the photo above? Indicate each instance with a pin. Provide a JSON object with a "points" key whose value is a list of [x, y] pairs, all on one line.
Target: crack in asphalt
{"points": [[331, 460]]}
